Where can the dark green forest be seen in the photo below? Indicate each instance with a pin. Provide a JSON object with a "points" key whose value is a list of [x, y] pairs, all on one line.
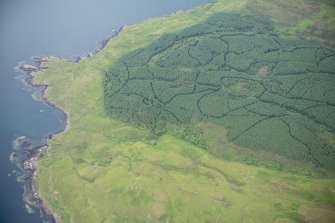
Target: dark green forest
{"points": [[271, 93]]}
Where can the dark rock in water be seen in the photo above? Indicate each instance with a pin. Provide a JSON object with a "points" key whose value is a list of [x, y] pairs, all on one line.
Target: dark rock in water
{"points": [[22, 143], [28, 165], [40, 59], [28, 68]]}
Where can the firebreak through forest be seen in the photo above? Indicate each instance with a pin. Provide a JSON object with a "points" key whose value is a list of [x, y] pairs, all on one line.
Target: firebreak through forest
{"points": [[270, 93]]}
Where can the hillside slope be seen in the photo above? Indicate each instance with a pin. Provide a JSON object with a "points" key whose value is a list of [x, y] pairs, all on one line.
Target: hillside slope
{"points": [[105, 169], [270, 93]]}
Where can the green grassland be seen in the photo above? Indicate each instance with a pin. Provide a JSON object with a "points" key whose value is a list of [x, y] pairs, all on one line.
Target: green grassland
{"points": [[119, 169]]}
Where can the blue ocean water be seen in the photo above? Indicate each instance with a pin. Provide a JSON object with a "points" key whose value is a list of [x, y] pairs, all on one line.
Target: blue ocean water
{"points": [[64, 28]]}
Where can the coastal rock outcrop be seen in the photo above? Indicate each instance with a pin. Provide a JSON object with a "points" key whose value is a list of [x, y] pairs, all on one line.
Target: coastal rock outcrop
{"points": [[28, 68]]}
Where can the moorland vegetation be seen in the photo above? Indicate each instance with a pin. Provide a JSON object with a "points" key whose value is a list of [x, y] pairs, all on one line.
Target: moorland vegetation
{"points": [[125, 157]]}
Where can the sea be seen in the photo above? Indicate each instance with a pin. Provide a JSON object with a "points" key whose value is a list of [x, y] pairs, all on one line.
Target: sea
{"points": [[65, 28]]}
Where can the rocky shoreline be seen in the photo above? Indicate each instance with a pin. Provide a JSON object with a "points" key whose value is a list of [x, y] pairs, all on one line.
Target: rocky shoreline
{"points": [[27, 161], [27, 155]]}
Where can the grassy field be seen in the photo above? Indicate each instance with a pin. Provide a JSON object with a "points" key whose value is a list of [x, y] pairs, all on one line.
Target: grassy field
{"points": [[105, 170]]}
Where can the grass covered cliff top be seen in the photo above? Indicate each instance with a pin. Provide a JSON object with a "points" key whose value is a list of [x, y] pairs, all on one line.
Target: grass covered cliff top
{"points": [[105, 169]]}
